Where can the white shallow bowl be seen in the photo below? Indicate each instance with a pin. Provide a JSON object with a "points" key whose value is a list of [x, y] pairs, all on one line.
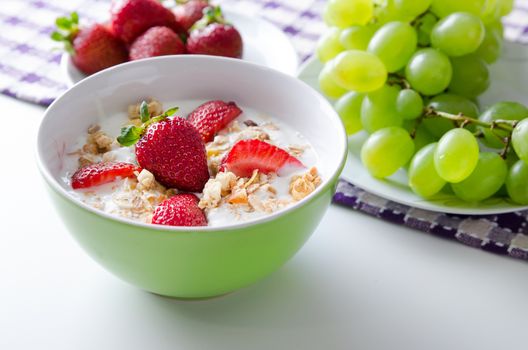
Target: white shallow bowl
{"points": [[191, 262], [264, 44], [508, 78]]}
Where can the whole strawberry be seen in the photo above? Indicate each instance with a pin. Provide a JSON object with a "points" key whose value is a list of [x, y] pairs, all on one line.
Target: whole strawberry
{"points": [[213, 36], [213, 116], [170, 148], [190, 12], [156, 41], [179, 210], [92, 48], [131, 18]]}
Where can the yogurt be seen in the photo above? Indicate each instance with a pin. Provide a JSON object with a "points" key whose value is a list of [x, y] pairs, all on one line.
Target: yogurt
{"points": [[226, 198]]}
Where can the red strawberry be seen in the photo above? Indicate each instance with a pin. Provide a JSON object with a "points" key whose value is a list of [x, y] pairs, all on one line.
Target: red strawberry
{"points": [[248, 155], [190, 12], [102, 173], [131, 18], [213, 116], [92, 48], [170, 148], [174, 152], [179, 210], [156, 41], [213, 36]]}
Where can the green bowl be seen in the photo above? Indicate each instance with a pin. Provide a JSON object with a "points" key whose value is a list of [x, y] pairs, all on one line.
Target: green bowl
{"points": [[191, 262]]}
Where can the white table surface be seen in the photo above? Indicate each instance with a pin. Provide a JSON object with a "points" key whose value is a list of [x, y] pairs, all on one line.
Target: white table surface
{"points": [[359, 283]]}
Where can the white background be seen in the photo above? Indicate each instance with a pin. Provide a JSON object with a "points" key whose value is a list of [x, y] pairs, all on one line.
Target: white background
{"points": [[359, 283]]}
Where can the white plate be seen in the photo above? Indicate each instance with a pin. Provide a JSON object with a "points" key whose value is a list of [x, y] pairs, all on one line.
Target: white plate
{"points": [[264, 44], [508, 84]]}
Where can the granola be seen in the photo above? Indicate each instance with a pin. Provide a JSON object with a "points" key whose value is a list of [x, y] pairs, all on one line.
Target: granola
{"points": [[226, 197]]}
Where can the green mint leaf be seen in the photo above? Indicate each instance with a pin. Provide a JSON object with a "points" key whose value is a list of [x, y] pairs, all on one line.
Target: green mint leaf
{"points": [[129, 135], [74, 17], [57, 36], [144, 114], [63, 23], [171, 111]]}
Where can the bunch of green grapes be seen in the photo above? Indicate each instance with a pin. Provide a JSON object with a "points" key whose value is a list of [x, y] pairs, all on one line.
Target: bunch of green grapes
{"points": [[408, 72]]}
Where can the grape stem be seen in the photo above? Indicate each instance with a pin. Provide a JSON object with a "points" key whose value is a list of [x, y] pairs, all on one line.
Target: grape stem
{"points": [[397, 79], [462, 120]]}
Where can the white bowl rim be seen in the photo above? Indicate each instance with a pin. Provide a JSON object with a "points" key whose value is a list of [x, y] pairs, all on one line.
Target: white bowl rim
{"points": [[50, 179]]}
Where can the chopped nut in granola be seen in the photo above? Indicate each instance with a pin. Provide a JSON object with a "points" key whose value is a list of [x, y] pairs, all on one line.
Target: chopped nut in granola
{"points": [[302, 186], [146, 180], [238, 196], [154, 108], [212, 194], [92, 129], [297, 150]]}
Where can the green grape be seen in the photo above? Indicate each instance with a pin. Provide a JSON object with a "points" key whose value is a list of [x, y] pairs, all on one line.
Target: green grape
{"points": [[327, 84], [423, 137], [517, 183], [357, 37], [429, 71], [443, 8], [346, 13], [394, 44], [491, 47], [487, 178], [359, 71], [452, 104], [409, 104], [456, 155], [458, 34], [491, 11], [470, 76], [424, 27], [423, 177], [388, 13], [505, 111], [329, 45], [520, 140], [387, 150], [506, 6], [349, 109], [412, 8], [378, 109]]}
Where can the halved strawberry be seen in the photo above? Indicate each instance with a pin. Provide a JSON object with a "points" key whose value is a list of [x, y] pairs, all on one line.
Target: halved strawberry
{"points": [[102, 173], [213, 116], [248, 155], [179, 210]]}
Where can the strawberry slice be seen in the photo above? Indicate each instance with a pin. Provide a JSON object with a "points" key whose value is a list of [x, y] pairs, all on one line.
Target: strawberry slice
{"points": [[179, 210], [211, 117], [102, 173], [248, 155]]}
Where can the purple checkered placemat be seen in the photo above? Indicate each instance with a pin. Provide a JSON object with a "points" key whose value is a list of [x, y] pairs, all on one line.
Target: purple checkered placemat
{"points": [[29, 70], [29, 61]]}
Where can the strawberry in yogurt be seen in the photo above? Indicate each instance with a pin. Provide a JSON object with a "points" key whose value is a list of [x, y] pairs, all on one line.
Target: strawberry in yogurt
{"points": [[219, 165]]}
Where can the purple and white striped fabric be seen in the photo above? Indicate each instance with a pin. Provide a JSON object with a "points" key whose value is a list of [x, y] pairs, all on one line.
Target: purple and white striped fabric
{"points": [[29, 63], [29, 70]]}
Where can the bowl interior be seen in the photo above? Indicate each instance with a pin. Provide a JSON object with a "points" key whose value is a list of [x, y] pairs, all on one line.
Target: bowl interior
{"points": [[181, 78]]}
